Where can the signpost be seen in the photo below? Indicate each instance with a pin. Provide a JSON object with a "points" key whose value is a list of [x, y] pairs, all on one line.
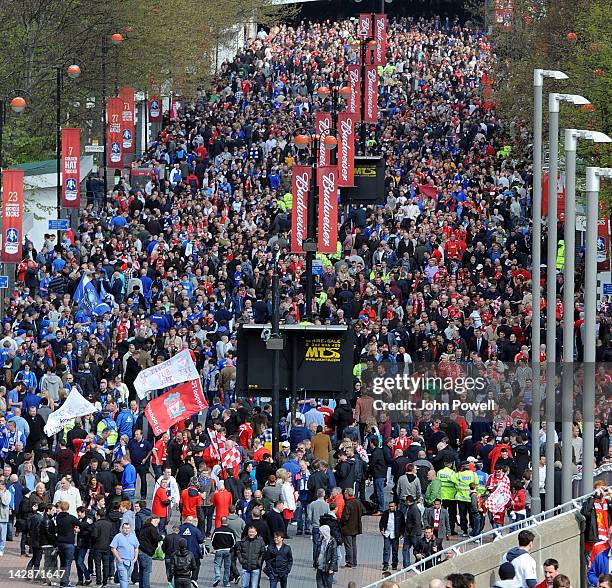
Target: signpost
{"points": [[607, 289], [60, 224], [4, 281]]}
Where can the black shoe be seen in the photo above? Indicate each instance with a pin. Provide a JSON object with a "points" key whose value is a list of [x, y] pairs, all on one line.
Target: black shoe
{"points": [[216, 582], [307, 532], [299, 533], [385, 567], [394, 568]]}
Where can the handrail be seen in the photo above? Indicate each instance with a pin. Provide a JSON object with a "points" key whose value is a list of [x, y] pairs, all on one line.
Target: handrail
{"points": [[468, 544]]}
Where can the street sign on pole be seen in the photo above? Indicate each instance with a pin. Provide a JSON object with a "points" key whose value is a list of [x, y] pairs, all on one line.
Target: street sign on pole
{"points": [[94, 148], [607, 289], [60, 224], [4, 281]]}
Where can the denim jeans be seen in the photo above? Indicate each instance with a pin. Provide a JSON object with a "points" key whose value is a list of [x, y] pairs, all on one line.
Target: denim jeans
{"points": [[478, 524], [223, 558], [278, 582], [409, 542], [390, 550], [124, 571], [145, 565], [249, 579], [379, 490], [301, 516], [66, 557], [82, 570], [315, 542], [3, 531]]}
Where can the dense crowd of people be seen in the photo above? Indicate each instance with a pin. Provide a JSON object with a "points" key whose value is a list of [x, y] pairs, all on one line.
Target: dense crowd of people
{"points": [[434, 282]]}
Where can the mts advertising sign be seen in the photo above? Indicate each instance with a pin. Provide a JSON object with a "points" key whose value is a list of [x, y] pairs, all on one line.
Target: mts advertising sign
{"points": [[371, 97], [155, 109], [114, 113], [300, 186], [380, 36], [346, 149], [328, 209], [71, 168], [12, 215], [127, 120], [354, 85], [364, 26], [323, 124]]}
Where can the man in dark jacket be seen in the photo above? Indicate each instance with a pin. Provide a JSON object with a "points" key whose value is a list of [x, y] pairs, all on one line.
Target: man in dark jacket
{"points": [[48, 540], [251, 551], [351, 526], [264, 469], [427, 545], [183, 566], [102, 533], [83, 545], [260, 524], [345, 470], [378, 472], [413, 529], [149, 538], [391, 526], [342, 417], [194, 538], [170, 546], [223, 541], [275, 519], [319, 479], [279, 561], [35, 534]]}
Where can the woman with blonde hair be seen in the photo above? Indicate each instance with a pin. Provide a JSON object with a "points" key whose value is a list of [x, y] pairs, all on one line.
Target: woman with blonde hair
{"points": [[287, 496]]}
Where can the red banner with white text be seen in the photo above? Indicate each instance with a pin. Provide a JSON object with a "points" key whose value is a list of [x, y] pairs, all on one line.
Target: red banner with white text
{"points": [[371, 97], [346, 149], [300, 186], [114, 113], [323, 124], [155, 109], [354, 97], [12, 215], [380, 36], [364, 27], [71, 168], [127, 120], [327, 178], [176, 405], [603, 244]]}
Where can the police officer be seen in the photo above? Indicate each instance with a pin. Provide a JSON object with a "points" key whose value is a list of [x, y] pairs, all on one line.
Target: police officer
{"points": [[447, 492], [463, 478]]}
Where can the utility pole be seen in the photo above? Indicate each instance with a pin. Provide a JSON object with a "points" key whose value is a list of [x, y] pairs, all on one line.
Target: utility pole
{"points": [[275, 343]]}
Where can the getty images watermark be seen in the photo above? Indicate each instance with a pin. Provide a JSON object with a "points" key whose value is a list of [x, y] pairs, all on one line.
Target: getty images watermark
{"points": [[418, 388]]}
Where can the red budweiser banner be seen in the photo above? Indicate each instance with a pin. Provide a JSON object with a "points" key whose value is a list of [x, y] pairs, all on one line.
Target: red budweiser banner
{"points": [[114, 113], [354, 85], [364, 28], [371, 97], [12, 215], [176, 405], [328, 209], [380, 36], [71, 168], [155, 113], [300, 186], [127, 120], [323, 124], [346, 149]]}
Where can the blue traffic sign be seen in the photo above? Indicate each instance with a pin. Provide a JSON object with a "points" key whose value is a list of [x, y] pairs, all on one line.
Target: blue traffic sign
{"points": [[4, 282], [60, 224], [607, 289]]}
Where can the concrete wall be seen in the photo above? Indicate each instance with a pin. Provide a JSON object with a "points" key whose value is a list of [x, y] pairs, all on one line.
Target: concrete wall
{"points": [[558, 538]]}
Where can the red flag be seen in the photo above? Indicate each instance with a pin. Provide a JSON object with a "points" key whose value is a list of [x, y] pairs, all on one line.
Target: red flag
{"points": [[114, 111], [127, 120], [323, 124], [71, 168], [155, 114], [371, 90], [328, 208], [12, 215], [300, 186], [346, 149], [364, 28], [354, 85], [380, 35], [176, 405]]}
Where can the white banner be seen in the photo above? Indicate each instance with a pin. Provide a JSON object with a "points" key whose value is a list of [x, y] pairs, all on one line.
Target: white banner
{"points": [[176, 370], [74, 406]]}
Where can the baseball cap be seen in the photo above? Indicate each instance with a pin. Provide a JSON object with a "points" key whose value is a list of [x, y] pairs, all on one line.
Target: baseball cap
{"points": [[286, 444]]}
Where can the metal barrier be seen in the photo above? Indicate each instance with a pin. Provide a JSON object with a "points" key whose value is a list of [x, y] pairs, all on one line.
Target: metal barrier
{"points": [[489, 536]]}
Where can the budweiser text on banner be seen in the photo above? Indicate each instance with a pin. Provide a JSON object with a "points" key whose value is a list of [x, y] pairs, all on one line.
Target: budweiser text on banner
{"points": [[127, 120], [346, 149], [380, 36], [328, 209], [176, 405], [371, 98], [354, 85], [71, 168], [364, 29], [323, 124], [12, 215], [300, 187], [114, 113]]}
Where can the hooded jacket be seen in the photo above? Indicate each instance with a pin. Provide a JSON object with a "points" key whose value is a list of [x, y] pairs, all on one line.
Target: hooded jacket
{"points": [[149, 538], [408, 485], [251, 553], [182, 564], [524, 567]]}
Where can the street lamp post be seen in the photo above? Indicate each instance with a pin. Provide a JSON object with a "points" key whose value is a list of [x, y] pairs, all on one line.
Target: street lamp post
{"points": [[554, 102], [569, 236], [593, 178], [536, 260]]}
